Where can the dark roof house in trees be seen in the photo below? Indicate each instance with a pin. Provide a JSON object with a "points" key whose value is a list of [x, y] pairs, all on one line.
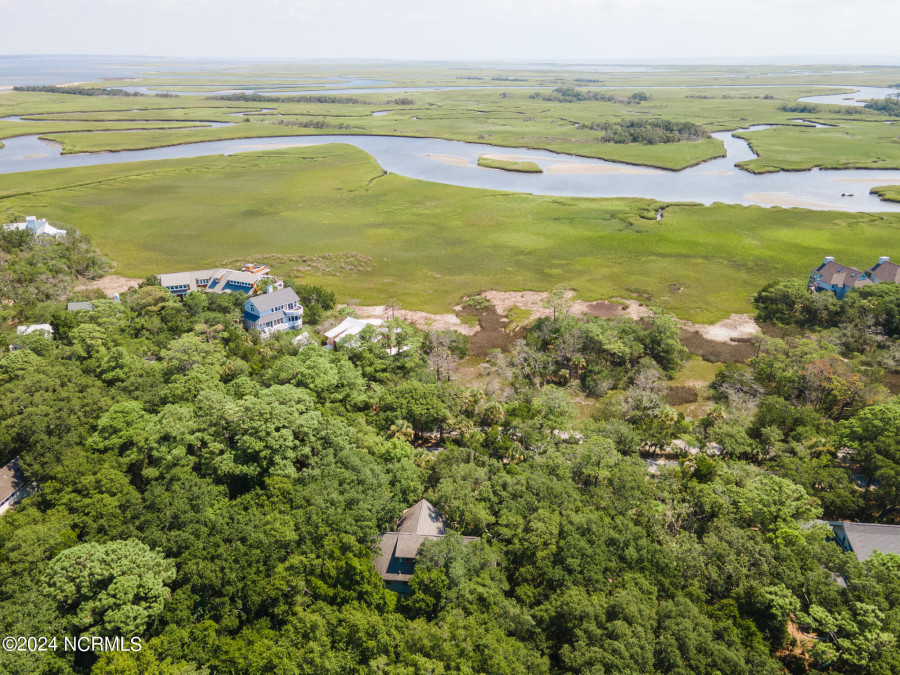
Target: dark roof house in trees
{"points": [[399, 549], [884, 270]]}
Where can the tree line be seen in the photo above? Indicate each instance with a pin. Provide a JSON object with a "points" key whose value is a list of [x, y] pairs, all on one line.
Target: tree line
{"points": [[576, 95], [647, 131]]}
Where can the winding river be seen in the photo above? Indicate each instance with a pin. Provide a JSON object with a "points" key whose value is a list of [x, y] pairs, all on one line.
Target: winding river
{"points": [[455, 163]]}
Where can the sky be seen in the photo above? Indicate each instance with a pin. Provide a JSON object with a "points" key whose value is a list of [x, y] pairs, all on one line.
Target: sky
{"points": [[596, 30]]}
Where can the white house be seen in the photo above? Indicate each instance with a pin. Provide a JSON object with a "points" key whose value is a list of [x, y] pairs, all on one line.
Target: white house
{"points": [[37, 227], [349, 327], [45, 328]]}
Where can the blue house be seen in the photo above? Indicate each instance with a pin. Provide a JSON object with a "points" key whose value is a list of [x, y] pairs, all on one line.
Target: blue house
{"points": [[273, 311], [837, 278]]}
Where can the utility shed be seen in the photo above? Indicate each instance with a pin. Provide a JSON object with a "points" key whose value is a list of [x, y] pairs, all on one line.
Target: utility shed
{"points": [[399, 549], [865, 538]]}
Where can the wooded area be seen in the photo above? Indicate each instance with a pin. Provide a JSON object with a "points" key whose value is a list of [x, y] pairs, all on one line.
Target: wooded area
{"points": [[221, 496]]}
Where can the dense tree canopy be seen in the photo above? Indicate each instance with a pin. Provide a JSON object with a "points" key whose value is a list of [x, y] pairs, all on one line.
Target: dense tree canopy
{"points": [[221, 497]]}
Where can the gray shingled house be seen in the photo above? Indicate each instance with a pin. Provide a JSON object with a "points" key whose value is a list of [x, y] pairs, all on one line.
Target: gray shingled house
{"points": [[863, 539], [400, 548], [273, 311]]}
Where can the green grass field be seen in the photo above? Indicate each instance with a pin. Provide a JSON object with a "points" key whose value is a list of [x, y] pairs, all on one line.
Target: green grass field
{"points": [[851, 144], [504, 116], [509, 165], [889, 193], [329, 214]]}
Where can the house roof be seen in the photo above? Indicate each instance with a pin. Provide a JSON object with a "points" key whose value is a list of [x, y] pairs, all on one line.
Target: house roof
{"points": [[37, 227], [423, 519], [351, 326], [76, 306], [190, 278], [885, 271], [268, 301], [399, 549], [35, 328], [217, 284], [866, 538], [11, 479], [834, 273]]}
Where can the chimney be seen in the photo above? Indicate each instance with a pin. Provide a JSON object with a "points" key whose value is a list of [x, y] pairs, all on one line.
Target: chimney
{"points": [[883, 259], [828, 259]]}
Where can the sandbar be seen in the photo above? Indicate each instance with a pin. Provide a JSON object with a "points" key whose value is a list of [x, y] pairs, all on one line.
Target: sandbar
{"points": [[780, 199], [593, 168], [269, 146], [885, 181], [512, 158], [449, 159]]}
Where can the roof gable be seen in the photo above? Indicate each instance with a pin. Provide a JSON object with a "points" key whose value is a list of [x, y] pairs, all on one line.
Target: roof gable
{"points": [[834, 273], [886, 271], [351, 326], [267, 301], [423, 519], [866, 538]]}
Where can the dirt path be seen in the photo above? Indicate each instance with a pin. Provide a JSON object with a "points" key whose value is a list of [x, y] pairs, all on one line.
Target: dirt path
{"points": [[110, 284]]}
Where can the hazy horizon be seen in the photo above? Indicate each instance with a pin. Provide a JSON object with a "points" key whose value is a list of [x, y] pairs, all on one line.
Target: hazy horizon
{"points": [[620, 31]]}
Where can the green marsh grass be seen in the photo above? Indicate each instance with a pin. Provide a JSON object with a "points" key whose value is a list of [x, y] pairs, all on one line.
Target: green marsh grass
{"points": [[430, 244]]}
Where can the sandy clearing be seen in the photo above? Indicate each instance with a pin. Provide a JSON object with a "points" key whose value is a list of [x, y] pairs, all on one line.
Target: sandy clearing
{"points": [[449, 159], [736, 326], [421, 320], [533, 301], [786, 200], [593, 168], [110, 284]]}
